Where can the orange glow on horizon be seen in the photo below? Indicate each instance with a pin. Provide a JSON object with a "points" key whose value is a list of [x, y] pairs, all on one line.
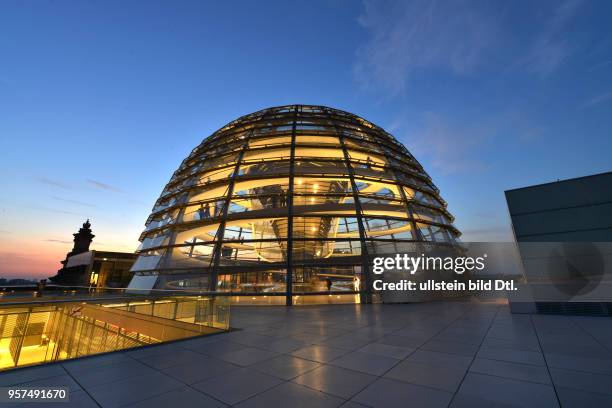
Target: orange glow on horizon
{"points": [[20, 258]]}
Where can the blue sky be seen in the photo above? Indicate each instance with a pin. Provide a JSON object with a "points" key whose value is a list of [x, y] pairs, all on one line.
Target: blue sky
{"points": [[100, 101]]}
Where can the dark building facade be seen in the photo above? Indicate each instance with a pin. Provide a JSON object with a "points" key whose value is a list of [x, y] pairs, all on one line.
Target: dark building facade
{"points": [[85, 267], [573, 210], [564, 235], [290, 201]]}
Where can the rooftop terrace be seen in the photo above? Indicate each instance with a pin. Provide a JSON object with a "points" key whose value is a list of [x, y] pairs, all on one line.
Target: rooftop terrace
{"points": [[455, 354]]}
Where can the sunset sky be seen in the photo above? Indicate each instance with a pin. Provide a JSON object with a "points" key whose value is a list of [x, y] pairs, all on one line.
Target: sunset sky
{"points": [[101, 101]]}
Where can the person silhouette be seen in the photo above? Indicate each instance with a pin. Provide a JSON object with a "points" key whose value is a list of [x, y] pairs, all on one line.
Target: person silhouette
{"points": [[204, 211]]}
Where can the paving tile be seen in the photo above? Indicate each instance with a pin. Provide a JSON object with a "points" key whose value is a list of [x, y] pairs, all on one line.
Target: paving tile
{"points": [[285, 367], [218, 347], [440, 359], [496, 390], [285, 345], [373, 332], [237, 385], [403, 341], [387, 393], [280, 332], [517, 371], [435, 376], [335, 381], [321, 354], [514, 356], [571, 398], [387, 350], [197, 343], [511, 333], [515, 344], [141, 352], [22, 375], [184, 397], [247, 356], [423, 332], [248, 338], [346, 342], [365, 362], [578, 380], [309, 338], [321, 331], [591, 365], [466, 338], [294, 396], [94, 362], [176, 357], [472, 401], [111, 372], [131, 390], [568, 347], [451, 347], [199, 370]]}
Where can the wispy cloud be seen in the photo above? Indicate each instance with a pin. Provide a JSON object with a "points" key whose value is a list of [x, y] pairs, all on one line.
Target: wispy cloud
{"points": [[59, 241], [596, 100], [55, 210], [454, 144], [66, 200], [104, 186], [457, 36], [551, 46], [450, 148], [54, 183], [408, 35]]}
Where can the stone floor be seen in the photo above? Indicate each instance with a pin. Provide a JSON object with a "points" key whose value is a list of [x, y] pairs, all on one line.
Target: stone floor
{"points": [[424, 355]]}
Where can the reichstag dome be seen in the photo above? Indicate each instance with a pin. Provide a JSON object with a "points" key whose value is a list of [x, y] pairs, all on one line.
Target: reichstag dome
{"points": [[288, 202]]}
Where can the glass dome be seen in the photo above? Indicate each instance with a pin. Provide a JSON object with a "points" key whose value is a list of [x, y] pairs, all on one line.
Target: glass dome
{"points": [[291, 200]]}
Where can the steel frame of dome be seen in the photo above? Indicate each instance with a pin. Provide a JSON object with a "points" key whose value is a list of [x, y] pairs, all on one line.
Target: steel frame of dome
{"points": [[291, 200]]}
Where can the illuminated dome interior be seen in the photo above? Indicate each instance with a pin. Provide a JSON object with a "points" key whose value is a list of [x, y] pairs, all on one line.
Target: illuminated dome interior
{"points": [[299, 194]]}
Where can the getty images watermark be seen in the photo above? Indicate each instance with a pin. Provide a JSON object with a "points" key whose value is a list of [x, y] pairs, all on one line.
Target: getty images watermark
{"points": [[409, 264]]}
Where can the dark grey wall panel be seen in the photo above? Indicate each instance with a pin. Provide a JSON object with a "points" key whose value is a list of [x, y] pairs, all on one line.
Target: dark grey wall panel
{"points": [[570, 210], [577, 192]]}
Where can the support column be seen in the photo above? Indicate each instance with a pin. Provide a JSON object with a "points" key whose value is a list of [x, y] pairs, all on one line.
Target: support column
{"points": [[289, 275], [366, 294], [214, 273]]}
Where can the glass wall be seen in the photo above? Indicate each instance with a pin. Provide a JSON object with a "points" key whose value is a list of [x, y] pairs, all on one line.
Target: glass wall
{"points": [[34, 333]]}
